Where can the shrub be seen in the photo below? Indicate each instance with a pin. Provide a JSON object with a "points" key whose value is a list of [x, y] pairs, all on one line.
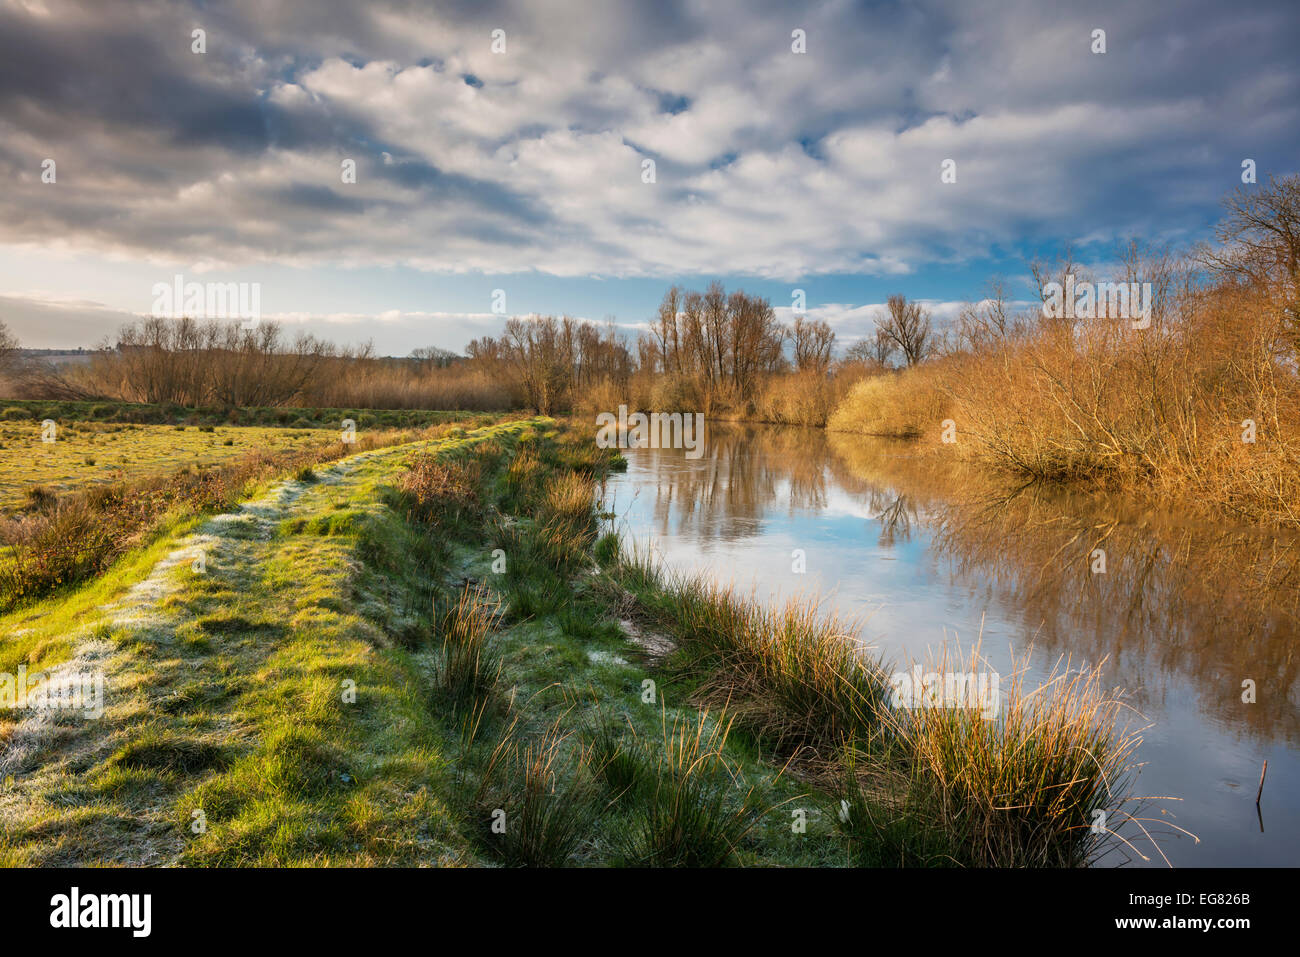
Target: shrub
{"points": [[443, 491], [907, 404]]}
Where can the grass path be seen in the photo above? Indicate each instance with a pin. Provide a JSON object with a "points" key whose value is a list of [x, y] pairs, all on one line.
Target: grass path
{"points": [[226, 736]]}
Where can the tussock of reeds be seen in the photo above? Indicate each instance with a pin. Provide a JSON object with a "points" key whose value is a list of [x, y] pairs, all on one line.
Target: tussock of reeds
{"points": [[1039, 783], [538, 800], [939, 784], [469, 671], [696, 809], [789, 671]]}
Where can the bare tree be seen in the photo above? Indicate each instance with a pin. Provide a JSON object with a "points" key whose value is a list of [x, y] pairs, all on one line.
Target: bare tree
{"points": [[1261, 237], [908, 326], [547, 361], [882, 347], [757, 340], [666, 330], [717, 327], [813, 340], [9, 347], [720, 340], [1059, 272], [870, 355], [1262, 231], [695, 338], [434, 357], [988, 323], [187, 362], [532, 350], [254, 367]]}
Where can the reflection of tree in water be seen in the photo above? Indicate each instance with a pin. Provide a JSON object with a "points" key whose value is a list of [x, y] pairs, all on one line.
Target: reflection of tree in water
{"points": [[1213, 604], [895, 513], [726, 494]]}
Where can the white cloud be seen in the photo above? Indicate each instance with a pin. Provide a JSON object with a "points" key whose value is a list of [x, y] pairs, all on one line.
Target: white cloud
{"points": [[770, 164]]}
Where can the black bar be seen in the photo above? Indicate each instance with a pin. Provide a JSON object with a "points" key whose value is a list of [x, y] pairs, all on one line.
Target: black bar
{"points": [[440, 906]]}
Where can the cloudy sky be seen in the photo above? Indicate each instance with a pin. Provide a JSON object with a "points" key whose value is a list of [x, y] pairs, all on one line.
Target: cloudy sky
{"points": [[516, 160]]}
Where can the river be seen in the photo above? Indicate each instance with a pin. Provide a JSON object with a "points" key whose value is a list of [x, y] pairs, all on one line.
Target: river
{"points": [[924, 555]]}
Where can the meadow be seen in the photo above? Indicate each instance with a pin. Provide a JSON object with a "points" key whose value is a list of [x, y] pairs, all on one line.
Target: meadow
{"points": [[172, 413], [73, 505], [86, 454]]}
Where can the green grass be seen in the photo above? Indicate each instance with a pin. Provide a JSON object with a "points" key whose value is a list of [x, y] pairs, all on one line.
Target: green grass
{"points": [[538, 801], [60, 540], [537, 753], [268, 700], [697, 808]]}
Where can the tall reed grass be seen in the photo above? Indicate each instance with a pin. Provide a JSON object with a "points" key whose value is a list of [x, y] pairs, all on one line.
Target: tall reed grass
{"points": [[538, 800], [469, 669], [1202, 407], [1043, 782], [696, 808], [788, 671]]}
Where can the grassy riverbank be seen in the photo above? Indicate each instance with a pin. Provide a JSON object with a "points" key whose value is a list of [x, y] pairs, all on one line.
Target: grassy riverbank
{"points": [[429, 654]]}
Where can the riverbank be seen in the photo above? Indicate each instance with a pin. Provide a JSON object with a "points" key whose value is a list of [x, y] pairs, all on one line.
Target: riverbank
{"points": [[783, 694], [430, 654]]}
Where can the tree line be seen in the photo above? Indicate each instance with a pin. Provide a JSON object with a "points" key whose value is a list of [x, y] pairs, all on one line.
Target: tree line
{"points": [[708, 345], [706, 349]]}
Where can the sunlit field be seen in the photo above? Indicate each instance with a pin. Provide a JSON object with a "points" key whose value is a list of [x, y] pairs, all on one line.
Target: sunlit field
{"points": [[76, 495], [84, 454]]}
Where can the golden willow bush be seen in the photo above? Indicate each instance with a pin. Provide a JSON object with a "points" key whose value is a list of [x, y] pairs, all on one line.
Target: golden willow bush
{"points": [[1201, 404], [1204, 404]]}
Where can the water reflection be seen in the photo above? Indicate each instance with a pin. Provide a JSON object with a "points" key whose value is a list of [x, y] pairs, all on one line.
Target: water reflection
{"points": [[928, 553]]}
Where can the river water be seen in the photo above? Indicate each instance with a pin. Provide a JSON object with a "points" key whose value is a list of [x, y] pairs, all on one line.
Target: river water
{"points": [[926, 555]]}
